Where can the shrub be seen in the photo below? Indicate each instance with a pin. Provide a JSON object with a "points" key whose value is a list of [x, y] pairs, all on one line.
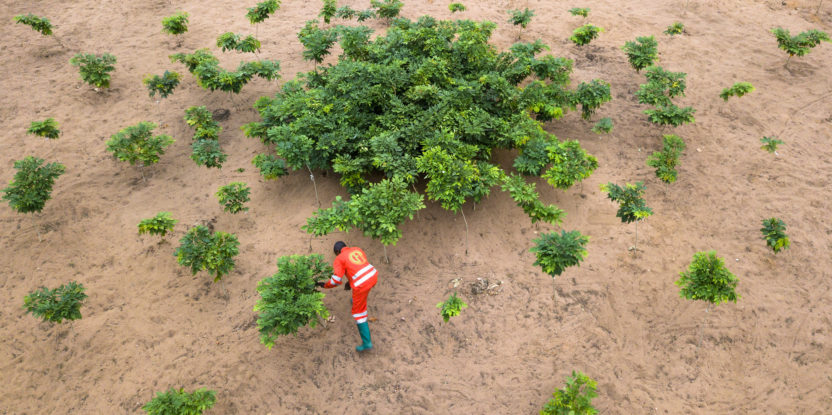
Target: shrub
{"points": [[585, 34], [642, 52], [232, 41], [38, 24], [451, 307], [665, 161], [95, 70], [456, 7], [801, 44], [202, 251], [179, 402], [525, 195], [631, 204], [661, 86], [47, 128], [520, 18], [270, 166], [574, 399], [328, 10], [316, 41], [366, 15], [676, 28], [579, 11], [570, 164], [591, 95], [262, 10], [176, 24], [164, 84], [556, 252], [160, 224], [345, 12], [708, 279], [56, 305], [738, 89], [233, 196], [770, 144], [32, 184], [671, 115], [603, 126], [387, 9], [774, 233], [203, 121], [209, 75], [207, 152], [288, 299], [136, 143]]}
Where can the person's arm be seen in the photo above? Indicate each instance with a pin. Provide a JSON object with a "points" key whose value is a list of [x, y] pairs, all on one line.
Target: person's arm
{"points": [[338, 272]]}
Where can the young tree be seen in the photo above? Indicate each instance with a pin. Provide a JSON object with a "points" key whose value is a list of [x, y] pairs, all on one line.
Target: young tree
{"points": [[207, 153], [270, 166], [95, 70], [770, 144], [801, 44], [665, 161], [774, 233], [32, 185], [288, 299], [556, 252], [160, 224], [233, 196], [345, 12], [574, 399], [451, 307], [202, 251], [708, 279], [176, 25], [603, 126], [676, 28], [366, 15], [233, 41], [47, 128], [41, 25], [328, 10], [179, 402], [136, 144], [520, 18], [579, 11], [387, 9], [671, 115], [163, 85], [261, 12], [738, 89], [56, 305], [642, 52], [591, 95], [570, 164], [456, 7], [631, 205], [585, 34], [316, 41]]}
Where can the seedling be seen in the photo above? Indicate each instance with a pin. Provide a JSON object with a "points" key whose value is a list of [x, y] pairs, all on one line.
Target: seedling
{"points": [[202, 251], [176, 25], [456, 7], [233, 196], [591, 95], [774, 233], [316, 41], [345, 12], [366, 15], [603, 126], [642, 52], [163, 85], [328, 11], [738, 89], [631, 205], [520, 18], [801, 44], [770, 144], [95, 70], [179, 402], [661, 86], [665, 161], [579, 11], [56, 305], [585, 34], [261, 12], [47, 128], [160, 224], [38, 24], [555, 252], [32, 185], [671, 115], [136, 144], [676, 28], [451, 307], [708, 279], [570, 164], [288, 299], [574, 399], [207, 152], [270, 166], [387, 9]]}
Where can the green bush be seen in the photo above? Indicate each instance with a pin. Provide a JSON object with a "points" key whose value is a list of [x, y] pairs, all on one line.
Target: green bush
{"points": [[202, 251], [160, 224], [262, 10], [525, 195], [179, 402], [671, 115], [642, 52], [176, 24], [801, 44], [328, 10], [456, 7], [270, 166], [164, 85], [774, 233], [708, 279], [38, 24], [603, 126], [56, 305], [520, 18], [591, 95], [32, 184], [574, 399], [47, 128], [665, 161], [556, 252], [233, 196], [738, 89], [579, 11], [387, 9], [207, 152], [451, 307], [585, 34], [136, 144], [676, 28], [95, 70]]}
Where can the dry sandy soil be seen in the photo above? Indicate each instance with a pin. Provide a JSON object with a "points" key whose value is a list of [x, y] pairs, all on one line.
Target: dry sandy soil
{"points": [[149, 325]]}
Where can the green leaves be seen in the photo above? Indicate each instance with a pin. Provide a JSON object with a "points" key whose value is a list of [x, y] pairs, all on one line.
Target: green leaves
{"points": [[328, 10], [801, 44], [707, 279], [202, 251], [95, 70], [451, 307], [136, 143], [233, 41], [160, 224], [179, 402], [770, 144], [570, 164], [579, 11], [387, 9], [520, 18], [47, 128], [233, 196], [176, 24], [56, 305], [207, 152], [574, 399], [164, 84], [631, 205], [603, 126], [262, 10], [738, 89], [642, 52], [270, 166], [525, 195], [206, 146], [774, 233], [677, 28], [456, 7], [661, 86], [209, 75], [591, 95], [671, 115], [288, 299], [38, 24], [665, 161], [585, 34], [316, 41], [556, 252], [32, 184]]}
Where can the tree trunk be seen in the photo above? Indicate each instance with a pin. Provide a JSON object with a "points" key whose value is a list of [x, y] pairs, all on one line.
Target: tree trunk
{"points": [[635, 247], [704, 323], [37, 230], [385, 253], [466, 229], [315, 185]]}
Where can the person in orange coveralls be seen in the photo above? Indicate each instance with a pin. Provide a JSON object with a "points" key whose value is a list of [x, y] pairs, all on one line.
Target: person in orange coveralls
{"points": [[352, 263]]}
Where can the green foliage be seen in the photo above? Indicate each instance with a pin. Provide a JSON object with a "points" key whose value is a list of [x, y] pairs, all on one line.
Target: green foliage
{"points": [[591, 95], [160, 224], [387, 9], [708, 279], [262, 10], [451, 307], [202, 251], [801, 44], [207, 152], [456, 7], [233, 196], [345, 12], [570, 164], [579, 11], [366, 15], [232, 41], [288, 299], [574, 399], [631, 205], [136, 143], [316, 41], [176, 24], [38, 24], [56, 305], [328, 11], [556, 252], [774, 232], [270, 166], [676, 28], [209, 75], [671, 115], [738, 89], [585, 34], [770, 144], [354, 41], [642, 52], [32, 184], [47, 128], [203, 121], [179, 402], [525, 195], [520, 18], [534, 156], [95, 70], [665, 161], [603, 126], [661, 86], [164, 84]]}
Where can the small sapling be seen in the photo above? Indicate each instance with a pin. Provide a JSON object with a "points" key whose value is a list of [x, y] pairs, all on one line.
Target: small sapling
{"points": [[456, 7], [47, 128], [345, 12], [591, 95], [570, 164], [38, 24], [801, 44], [665, 161], [387, 9], [328, 10], [671, 115], [233, 41], [603, 126], [774, 233], [32, 185], [451, 307], [366, 15], [95, 70], [200, 250], [574, 399], [738, 89], [579, 11], [316, 41], [176, 25], [270, 166], [631, 205], [261, 12], [56, 305], [676, 28], [520, 18], [555, 252], [770, 144], [136, 144], [179, 402], [163, 85], [585, 34], [207, 152], [160, 224], [708, 279], [233, 197], [642, 52]]}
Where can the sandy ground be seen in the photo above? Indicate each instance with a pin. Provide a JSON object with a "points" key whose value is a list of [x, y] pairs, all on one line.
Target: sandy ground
{"points": [[149, 325]]}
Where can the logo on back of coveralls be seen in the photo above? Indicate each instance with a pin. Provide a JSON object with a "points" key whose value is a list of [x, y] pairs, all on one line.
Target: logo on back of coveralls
{"points": [[357, 258]]}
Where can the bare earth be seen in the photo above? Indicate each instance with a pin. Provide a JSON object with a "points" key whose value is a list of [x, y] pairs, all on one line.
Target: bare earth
{"points": [[149, 325]]}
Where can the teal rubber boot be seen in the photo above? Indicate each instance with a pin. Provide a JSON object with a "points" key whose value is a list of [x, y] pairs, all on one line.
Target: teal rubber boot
{"points": [[364, 331]]}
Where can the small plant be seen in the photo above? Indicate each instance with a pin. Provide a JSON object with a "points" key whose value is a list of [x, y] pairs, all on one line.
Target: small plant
{"points": [[525, 195], [232, 41], [328, 11], [233, 197], [387, 9], [708, 279], [207, 152], [202, 251], [160, 224], [671, 115], [451, 307], [661, 86], [591, 95], [738, 89], [270, 166], [47, 128], [203, 121], [585, 34], [676, 28], [456, 7], [642, 52], [631, 205], [801, 44], [95, 70], [557, 252], [179, 402], [136, 144], [774, 233], [38, 24], [345, 12], [288, 299], [665, 161], [366, 15], [164, 85], [770, 144], [520, 18], [603, 126], [262, 10], [316, 41], [570, 164], [32, 184], [579, 11], [176, 24], [56, 305], [574, 399]]}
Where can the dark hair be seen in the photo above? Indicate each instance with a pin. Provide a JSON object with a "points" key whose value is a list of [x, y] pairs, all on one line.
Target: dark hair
{"points": [[338, 247]]}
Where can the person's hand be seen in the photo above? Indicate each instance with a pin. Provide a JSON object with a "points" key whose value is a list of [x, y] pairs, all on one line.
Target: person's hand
{"points": [[320, 284]]}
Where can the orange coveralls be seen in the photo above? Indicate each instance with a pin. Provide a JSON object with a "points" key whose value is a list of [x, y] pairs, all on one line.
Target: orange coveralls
{"points": [[352, 263]]}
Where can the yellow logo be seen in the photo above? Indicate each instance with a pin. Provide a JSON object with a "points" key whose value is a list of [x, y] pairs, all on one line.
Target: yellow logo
{"points": [[357, 258]]}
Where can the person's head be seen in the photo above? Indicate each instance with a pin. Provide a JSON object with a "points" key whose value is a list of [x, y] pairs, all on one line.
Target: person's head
{"points": [[338, 247]]}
